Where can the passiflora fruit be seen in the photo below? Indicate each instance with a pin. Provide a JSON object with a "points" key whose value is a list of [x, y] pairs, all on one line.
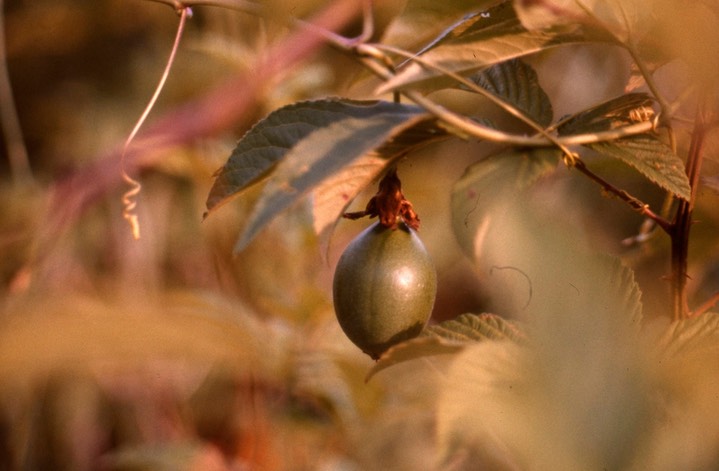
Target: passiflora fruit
{"points": [[384, 287]]}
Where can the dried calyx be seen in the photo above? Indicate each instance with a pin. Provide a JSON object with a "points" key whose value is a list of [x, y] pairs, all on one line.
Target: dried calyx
{"points": [[389, 204]]}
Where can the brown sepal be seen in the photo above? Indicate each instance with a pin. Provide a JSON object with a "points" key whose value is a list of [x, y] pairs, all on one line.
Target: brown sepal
{"points": [[389, 204]]}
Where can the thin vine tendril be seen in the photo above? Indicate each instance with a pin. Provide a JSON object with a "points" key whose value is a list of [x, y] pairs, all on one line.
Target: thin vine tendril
{"points": [[129, 198]]}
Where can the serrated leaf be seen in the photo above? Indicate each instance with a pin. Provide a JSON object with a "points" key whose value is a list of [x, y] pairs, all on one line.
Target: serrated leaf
{"points": [[418, 347], [480, 40], [686, 357], [476, 327], [483, 382], [616, 285], [327, 151], [449, 337], [605, 116], [579, 295], [516, 82], [536, 398], [496, 179], [652, 158], [691, 335], [263, 146]]}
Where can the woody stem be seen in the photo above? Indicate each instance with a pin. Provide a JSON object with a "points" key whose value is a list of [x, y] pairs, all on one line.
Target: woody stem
{"points": [[682, 223]]}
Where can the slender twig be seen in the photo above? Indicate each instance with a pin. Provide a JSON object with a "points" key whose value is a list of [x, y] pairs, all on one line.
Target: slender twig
{"points": [[574, 160], [611, 135], [475, 129], [630, 45], [646, 231], [367, 23], [225, 106], [632, 201], [16, 150], [367, 52], [128, 199], [647, 227], [260, 9], [238, 5], [683, 220], [571, 158], [506, 106], [665, 116], [666, 109], [706, 305], [377, 61]]}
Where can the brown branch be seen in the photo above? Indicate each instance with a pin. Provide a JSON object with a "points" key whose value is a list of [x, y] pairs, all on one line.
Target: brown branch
{"points": [[682, 223], [633, 202]]}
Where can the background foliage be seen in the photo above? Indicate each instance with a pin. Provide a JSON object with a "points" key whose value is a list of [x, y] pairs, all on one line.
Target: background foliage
{"points": [[170, 353]]}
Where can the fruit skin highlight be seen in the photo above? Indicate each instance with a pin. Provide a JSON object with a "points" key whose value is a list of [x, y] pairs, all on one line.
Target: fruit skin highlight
{"points": [[384, 288]]}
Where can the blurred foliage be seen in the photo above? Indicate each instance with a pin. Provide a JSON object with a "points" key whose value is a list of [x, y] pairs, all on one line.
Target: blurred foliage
{"points": [[168, 353]]}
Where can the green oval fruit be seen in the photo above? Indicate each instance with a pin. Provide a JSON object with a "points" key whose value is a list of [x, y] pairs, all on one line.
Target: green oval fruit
{"points": [[384, 288]]}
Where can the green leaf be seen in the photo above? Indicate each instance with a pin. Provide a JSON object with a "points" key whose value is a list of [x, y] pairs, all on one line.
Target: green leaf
{"points": [[516, 83], [332, 196], [263, 146], [495, 180], [652, 158], [266, 143], [647, 154], [326, 151], [449, 337], [480, 40], [607, 115], [476, 327]]}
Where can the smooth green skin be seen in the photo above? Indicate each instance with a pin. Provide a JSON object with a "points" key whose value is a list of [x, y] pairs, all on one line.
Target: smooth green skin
{"points": [[384, 288]]}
